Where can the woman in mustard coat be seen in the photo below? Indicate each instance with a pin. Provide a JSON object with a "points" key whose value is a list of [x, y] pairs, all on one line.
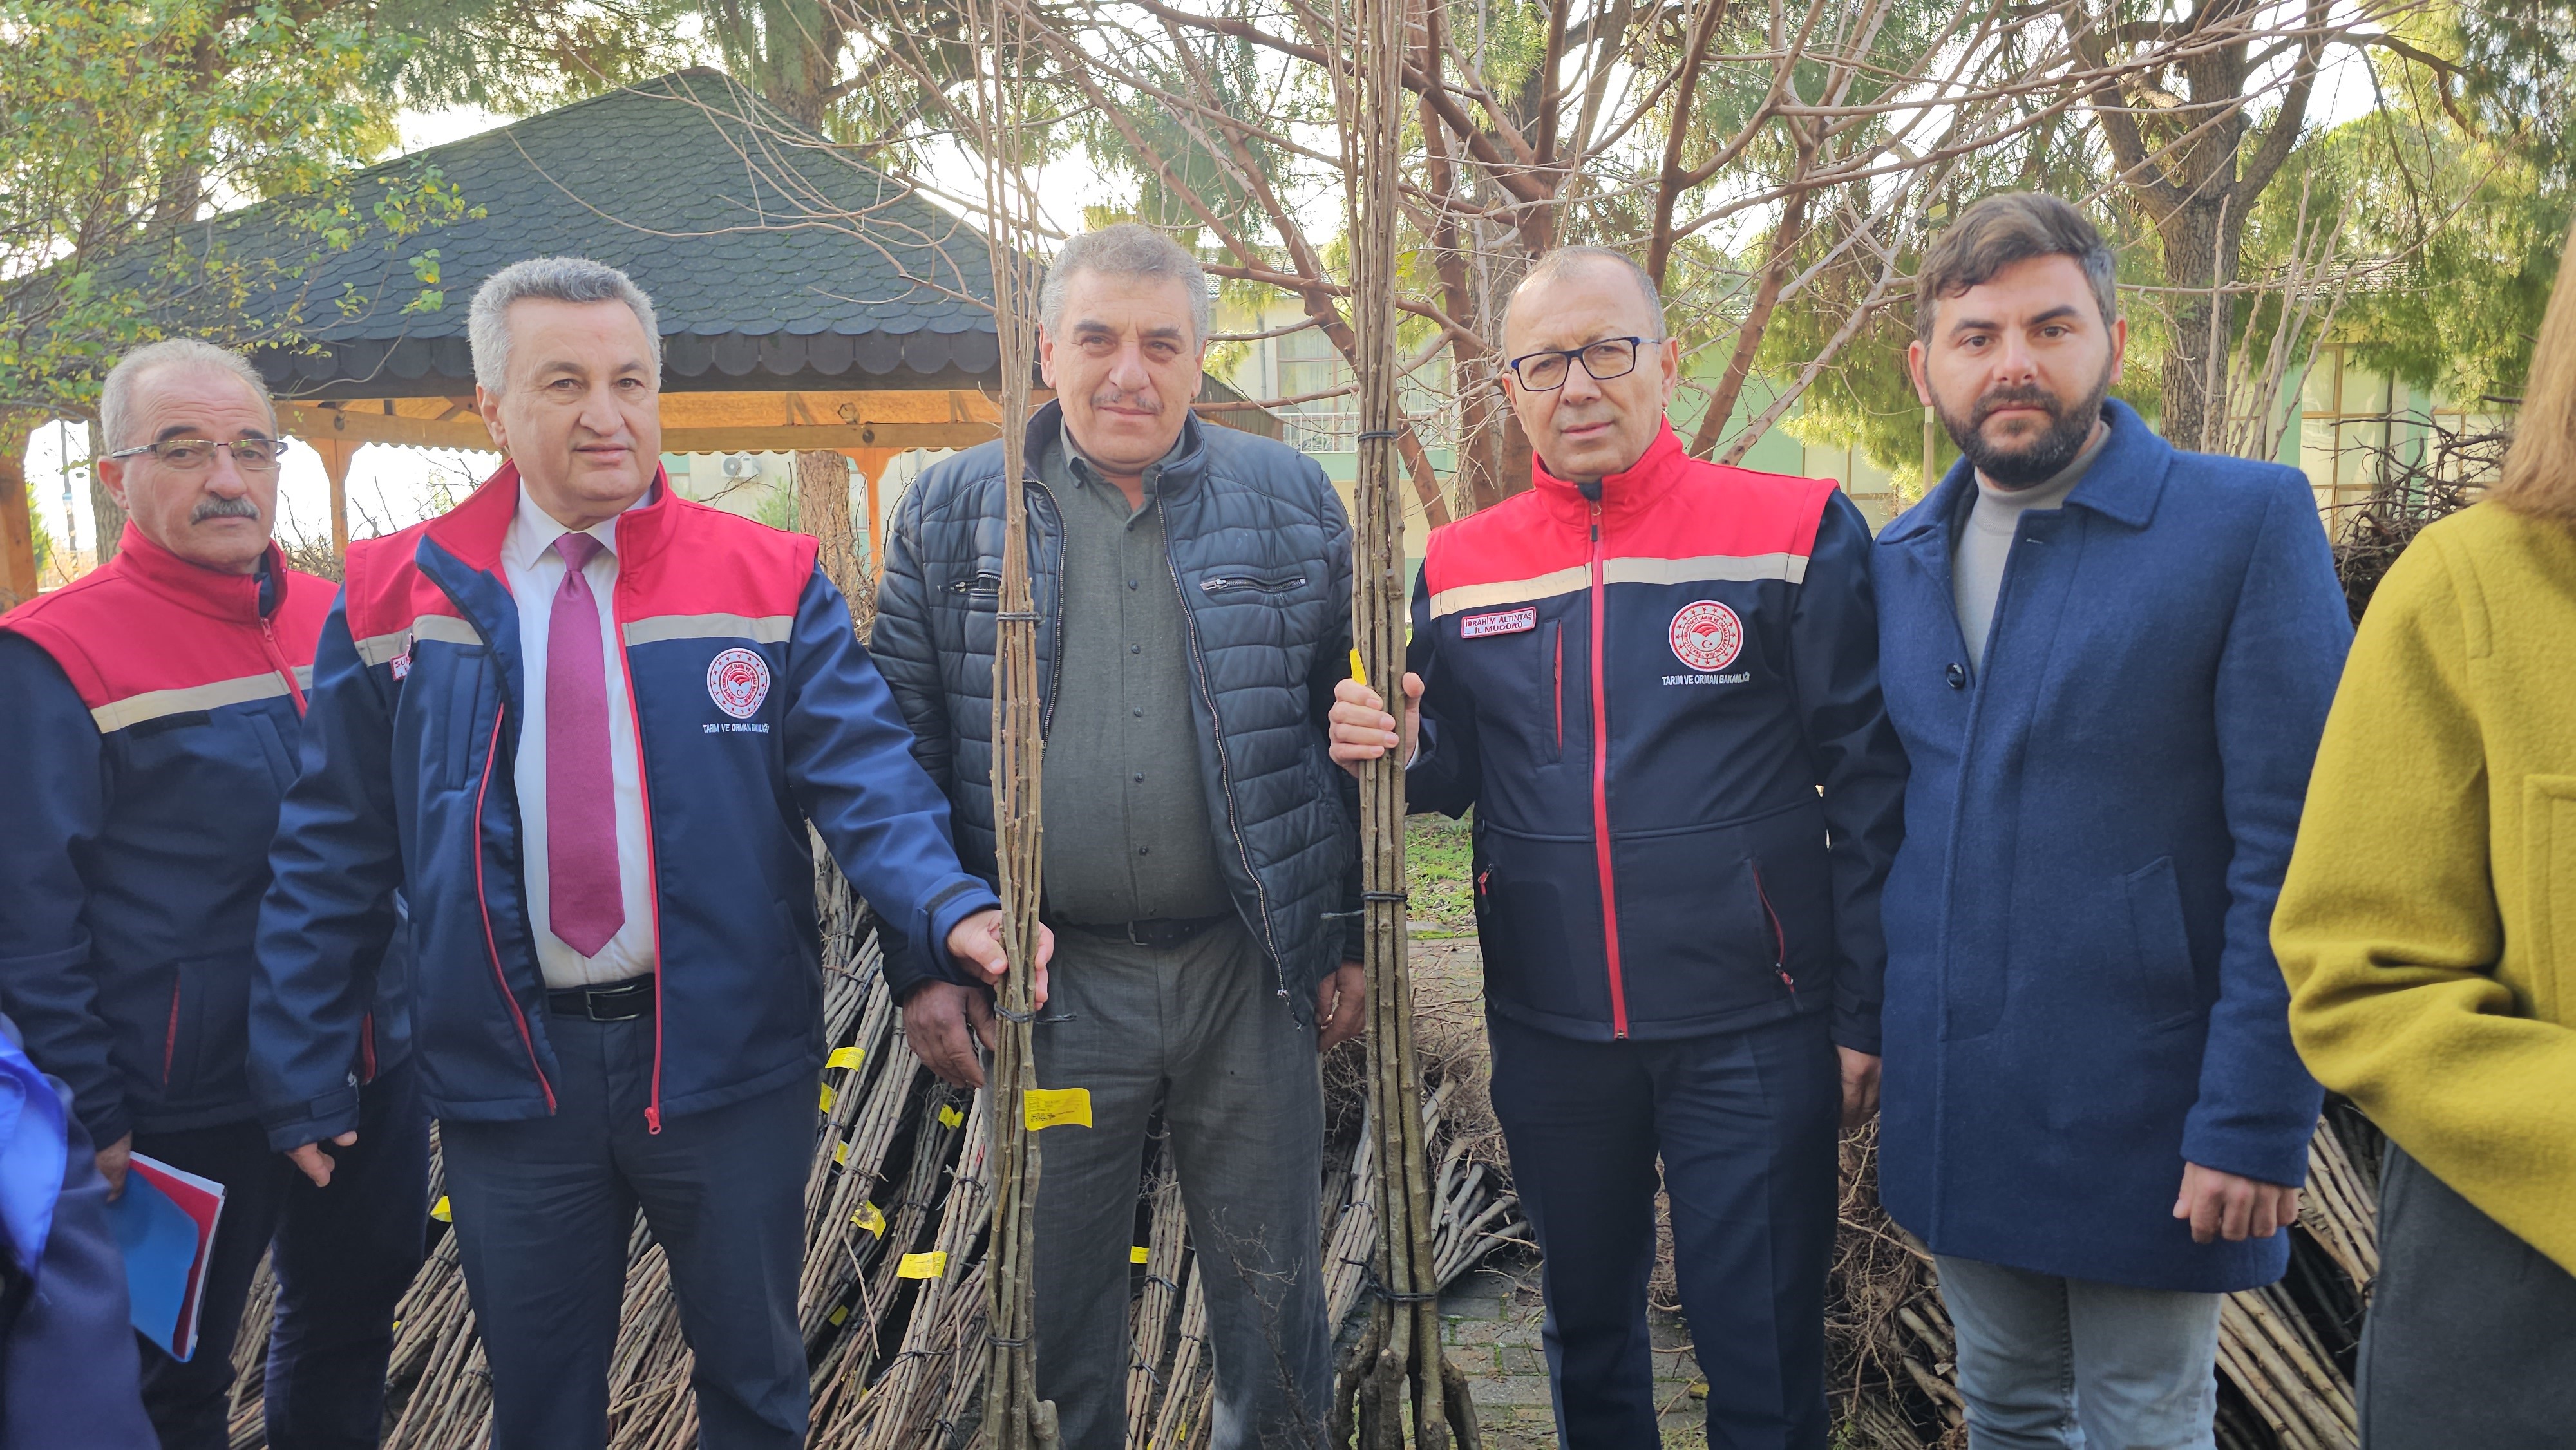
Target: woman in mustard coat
{"points": [[2428, 929]]}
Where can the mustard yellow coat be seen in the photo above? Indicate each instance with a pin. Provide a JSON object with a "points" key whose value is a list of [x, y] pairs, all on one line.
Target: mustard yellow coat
{"points": [[2428, 922]]}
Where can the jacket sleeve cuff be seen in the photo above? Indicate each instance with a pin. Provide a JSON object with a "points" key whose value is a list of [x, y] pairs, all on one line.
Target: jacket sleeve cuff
{"points": [[1856, 1028], [2271, 1155], [960, 899], [318, 1121], [106, 1122]]}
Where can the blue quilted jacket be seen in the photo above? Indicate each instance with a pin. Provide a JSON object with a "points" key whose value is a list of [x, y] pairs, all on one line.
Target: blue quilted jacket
{"points": [[1261, 553]]}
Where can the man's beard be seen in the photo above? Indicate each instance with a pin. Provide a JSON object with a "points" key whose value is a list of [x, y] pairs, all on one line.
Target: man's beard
{"points": [[2040, 459]]}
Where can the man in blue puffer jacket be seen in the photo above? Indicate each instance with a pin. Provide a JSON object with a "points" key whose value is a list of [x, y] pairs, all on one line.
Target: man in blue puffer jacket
{"points": [[1193, 590]]}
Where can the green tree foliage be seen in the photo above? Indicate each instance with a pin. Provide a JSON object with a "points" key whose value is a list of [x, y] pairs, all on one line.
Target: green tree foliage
{"points": [[129, 123]]}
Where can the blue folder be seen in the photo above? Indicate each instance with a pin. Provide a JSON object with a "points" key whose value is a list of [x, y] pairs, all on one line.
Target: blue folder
{"points": [[160, 1242]]}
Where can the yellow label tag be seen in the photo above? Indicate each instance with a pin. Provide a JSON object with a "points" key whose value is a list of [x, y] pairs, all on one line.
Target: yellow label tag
{"points": [[1138, 1254], [949, 1117], [846, 1057], [869, 1217], [441, 1212], [839, 1312], [1055, 1107], [922, 1266], [1359, 671], [825, 1105], [841, 1154]]}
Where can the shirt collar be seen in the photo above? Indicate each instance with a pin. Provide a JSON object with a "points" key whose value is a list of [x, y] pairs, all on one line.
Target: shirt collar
{"points": [[1087, 473], [533, 531]]}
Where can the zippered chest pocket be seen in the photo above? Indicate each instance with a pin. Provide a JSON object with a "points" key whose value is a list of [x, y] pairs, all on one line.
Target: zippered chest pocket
{"points": [[981, 590], [1253, 583]]}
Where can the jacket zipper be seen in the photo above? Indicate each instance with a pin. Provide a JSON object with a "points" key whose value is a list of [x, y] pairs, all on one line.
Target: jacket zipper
{"points": [[1224, 769], [644, 800], [1601, 794], [1055, 652], [1559, 640], [277, 659], [1220, 584], [170, 1046], [484, 903], [1779, 934]]}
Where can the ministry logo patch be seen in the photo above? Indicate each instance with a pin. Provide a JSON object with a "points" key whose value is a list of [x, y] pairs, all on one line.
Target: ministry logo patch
{"points": [[1706, 635], [738, 680]]}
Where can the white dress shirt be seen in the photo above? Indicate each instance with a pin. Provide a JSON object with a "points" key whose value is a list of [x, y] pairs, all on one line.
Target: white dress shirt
{"points": [[535, 570]]}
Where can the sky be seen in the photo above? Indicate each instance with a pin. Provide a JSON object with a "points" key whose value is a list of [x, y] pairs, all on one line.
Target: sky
{"points": [[389, 487]]}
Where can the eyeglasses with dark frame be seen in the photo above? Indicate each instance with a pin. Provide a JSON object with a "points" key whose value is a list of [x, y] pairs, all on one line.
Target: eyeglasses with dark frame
{"points": [[1611, 357], [250, 455]]}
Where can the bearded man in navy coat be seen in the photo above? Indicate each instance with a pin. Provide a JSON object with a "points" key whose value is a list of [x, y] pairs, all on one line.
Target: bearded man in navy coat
{"points": [[2109, 661]]}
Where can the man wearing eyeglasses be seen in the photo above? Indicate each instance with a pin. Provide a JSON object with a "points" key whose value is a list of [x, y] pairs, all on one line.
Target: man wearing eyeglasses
{"points": [[155, 707], [1656, 681]]}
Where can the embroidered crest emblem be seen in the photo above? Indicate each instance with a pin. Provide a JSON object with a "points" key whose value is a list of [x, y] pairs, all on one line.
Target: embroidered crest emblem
{"points": [[1509, 621], [1706, 635], [738, 680]]}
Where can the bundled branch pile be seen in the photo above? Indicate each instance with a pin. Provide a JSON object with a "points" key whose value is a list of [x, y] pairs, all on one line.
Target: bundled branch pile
{"points": [[898, 1210], [2285, 1352]]}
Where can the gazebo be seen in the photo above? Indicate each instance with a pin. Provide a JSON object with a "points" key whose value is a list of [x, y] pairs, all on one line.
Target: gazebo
{"points": [[807, 302]]}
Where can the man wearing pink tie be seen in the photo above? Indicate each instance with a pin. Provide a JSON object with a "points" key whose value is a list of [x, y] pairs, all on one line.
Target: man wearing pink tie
{"points": [[583, 724]]}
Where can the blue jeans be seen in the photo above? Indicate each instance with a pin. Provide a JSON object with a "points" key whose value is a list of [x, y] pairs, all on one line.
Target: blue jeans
{"points": [[2045, 1361]]}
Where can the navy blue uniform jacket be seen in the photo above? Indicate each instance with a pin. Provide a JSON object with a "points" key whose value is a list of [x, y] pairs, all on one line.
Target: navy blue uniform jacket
{"points": [[153, 713], [756, 709], [1643, 697], [2081, 993]]}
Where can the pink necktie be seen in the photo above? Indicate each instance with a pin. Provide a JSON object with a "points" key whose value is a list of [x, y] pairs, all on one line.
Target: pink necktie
{"points": [[583, 903]]}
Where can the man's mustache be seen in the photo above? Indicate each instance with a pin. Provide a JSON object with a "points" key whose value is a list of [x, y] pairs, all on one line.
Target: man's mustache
{"points": [[2018, 396], [1121, 398], [223, 508]]}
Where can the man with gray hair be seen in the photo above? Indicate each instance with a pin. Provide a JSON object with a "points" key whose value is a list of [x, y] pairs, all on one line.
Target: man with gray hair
{"points": [[1193, 585], [155, 707], [583, 724]]}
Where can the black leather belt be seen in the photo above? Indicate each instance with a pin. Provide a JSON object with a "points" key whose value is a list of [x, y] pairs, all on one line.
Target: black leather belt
{"points": [[1161, 933], [612, 1002]]}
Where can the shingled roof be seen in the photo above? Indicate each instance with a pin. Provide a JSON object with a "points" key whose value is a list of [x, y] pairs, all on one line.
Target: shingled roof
{"points": [[773, 260]]}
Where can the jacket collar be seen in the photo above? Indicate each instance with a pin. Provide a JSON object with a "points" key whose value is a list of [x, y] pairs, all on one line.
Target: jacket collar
{"points": [[2123, 485], [473, 531], [1182, 468], [1626, 491], [233, 598]]}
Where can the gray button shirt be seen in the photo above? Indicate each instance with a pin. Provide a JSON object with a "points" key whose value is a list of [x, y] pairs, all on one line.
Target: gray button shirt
{"points": [[1985, 541], [1127, 833]]}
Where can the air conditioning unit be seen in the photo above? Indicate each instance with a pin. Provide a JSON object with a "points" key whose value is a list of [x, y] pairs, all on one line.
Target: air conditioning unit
{"points": [[739, 465]]}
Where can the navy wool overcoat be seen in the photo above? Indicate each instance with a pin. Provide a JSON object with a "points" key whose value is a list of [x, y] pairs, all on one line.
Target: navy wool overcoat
{"points": [[2081, 993]]}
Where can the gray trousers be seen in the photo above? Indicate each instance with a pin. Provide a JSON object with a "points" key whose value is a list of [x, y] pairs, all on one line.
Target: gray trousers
{"points": [[1198, 1029], [2471, 1338]]}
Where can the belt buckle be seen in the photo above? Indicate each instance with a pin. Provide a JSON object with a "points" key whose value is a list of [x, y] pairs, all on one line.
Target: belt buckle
{"points": [[593, 1005], [1133, 939]]}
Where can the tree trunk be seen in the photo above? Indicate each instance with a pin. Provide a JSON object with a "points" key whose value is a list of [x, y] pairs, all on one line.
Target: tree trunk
{"points": [[823, 510], [2200, 244], [104, 512], [18, 579]]}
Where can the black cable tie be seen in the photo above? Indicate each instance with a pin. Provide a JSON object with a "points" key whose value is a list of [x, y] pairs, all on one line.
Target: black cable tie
{"points": [[1385, 896], [1031, 616], [1007, 1015], [1007, 1343], [1376, 433], [1344, 915], [1392, 1297]]}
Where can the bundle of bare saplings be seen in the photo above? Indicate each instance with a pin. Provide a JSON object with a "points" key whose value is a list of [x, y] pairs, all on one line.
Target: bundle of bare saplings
{"points": [[897, 1213]]}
